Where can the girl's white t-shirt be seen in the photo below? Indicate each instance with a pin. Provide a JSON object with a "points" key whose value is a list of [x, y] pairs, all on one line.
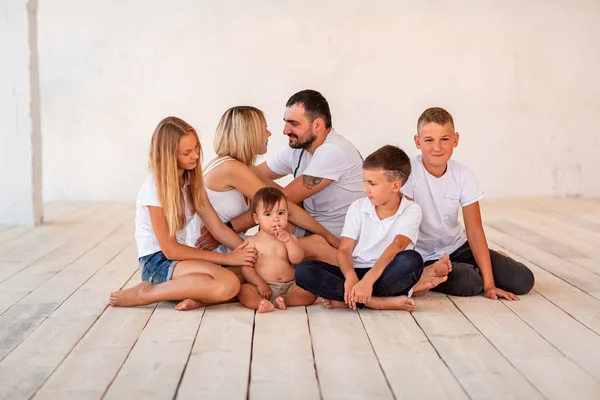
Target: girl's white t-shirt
{"points": [[144, 233]]}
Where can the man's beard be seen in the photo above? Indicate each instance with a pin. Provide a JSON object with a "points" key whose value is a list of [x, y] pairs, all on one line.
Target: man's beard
{"points": [[310, 138]]}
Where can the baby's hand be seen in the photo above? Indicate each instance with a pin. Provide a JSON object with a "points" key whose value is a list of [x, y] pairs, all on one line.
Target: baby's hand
{"points": [[282, 235], [264, 290]]}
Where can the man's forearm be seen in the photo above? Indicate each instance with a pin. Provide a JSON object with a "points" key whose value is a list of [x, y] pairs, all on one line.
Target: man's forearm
{"points": [[243, 222]]}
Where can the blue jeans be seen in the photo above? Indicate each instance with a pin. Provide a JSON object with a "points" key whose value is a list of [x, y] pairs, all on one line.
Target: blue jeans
{"points": [[327, 281], [156, 268]]}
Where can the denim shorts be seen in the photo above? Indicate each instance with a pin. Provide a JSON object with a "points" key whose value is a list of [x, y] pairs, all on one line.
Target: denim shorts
{"points": [[156, 268]]}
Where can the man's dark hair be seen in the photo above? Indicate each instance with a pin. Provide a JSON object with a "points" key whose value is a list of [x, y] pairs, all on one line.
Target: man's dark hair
{"points": [[314, 104]]}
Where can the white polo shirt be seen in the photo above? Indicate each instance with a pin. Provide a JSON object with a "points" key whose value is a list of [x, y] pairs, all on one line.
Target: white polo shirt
{"points": [[144, 233], [336, 159], [374, 235], [440, 198]]}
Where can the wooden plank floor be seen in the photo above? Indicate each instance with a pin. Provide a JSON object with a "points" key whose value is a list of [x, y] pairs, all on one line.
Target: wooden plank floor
{"points": [[58, 338]]}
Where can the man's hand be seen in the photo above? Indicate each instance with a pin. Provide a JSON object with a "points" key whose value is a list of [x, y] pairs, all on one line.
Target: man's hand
{"points": [[291, 228], [333, 241], [282, 235], [264, 290], [206, 241], [493, 293], [351, 280], [361, 293]]}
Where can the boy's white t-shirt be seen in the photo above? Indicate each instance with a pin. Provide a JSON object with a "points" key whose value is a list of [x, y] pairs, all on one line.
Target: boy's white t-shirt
{"points": [[336, 159], [144, 234], [440, 198], [374, 235]]}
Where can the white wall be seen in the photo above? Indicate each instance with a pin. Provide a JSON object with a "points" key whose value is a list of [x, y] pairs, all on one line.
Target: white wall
{"points": [[521, 79], [20, 137]]}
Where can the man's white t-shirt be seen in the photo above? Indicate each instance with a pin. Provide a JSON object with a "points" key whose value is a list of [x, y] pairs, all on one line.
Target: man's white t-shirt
{"points": [[144, 234], [374, 235], [336, 159], [440, 198]]}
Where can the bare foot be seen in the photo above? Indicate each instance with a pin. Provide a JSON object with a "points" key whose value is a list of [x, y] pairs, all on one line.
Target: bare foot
{"points": [[279, 302], [130, 297], [188, 304], [441, 267], [426, 283], [392, 303], [331, 304], [265, 306]]}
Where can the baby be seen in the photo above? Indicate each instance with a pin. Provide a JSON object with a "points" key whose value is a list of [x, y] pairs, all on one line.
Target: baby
{"points": [[271, 281]]}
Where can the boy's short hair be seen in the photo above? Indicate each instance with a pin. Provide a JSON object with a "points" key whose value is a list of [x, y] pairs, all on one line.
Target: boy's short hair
{"points": [[314, 104], [269, 197], [392, 159], [437, 115]]}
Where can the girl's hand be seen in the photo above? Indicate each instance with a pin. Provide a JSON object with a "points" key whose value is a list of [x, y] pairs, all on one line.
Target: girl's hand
{"points": [[244, 255]]}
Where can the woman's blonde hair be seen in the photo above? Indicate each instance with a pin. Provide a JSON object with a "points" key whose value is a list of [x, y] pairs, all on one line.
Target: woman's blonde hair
{"points": [[240, 134], [163, 164]]}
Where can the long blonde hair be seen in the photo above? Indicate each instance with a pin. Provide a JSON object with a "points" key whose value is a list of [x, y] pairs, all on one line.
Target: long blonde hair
{"points": [[240, 134], [163, 164]]}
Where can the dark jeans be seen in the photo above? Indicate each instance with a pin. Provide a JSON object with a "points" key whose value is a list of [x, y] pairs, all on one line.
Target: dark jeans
{"points": [[466, 280], [327, 281]]}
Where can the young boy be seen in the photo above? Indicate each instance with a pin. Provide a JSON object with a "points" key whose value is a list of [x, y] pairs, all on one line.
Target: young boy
{"points": [[271, 280], [440, 186], [377, 266]]}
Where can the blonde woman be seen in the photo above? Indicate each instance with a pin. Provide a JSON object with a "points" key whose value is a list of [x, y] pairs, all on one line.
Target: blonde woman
{"points": [[168, 199], [241, 136]]}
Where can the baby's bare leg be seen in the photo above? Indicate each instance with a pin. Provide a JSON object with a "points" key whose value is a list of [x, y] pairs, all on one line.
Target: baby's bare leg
{"points": [[250, 298], [296, 297]]}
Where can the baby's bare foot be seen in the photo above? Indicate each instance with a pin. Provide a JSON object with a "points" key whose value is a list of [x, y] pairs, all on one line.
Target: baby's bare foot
{"points": [[331, 304], [441, 267], [130, 297], [279, 302], [188, 304], [426, 283], [265, 306]]}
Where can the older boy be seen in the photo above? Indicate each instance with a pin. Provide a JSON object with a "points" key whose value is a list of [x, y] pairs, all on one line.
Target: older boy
{"points": [[440, 186]]}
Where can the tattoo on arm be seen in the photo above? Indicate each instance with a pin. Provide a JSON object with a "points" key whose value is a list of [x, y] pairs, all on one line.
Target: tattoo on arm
{"points": [[310, 182]]}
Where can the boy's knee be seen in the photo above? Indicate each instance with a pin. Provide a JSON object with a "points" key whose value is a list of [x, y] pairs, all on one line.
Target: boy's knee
{"points": [[411, 258], [524, 282], [464, 280], [303, 270]]}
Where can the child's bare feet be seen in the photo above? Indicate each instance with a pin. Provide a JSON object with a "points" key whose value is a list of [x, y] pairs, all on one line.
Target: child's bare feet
{"points": [[279, 302], [130, 297], [392, 303], [188, 304], [426, 283], [331, 304], [441, 267], [265, 306]]}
